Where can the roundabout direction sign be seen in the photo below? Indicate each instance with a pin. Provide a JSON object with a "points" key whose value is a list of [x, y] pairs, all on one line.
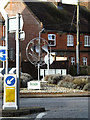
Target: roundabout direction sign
{"points": [[48, 59], [2, 53], [10, 91]]}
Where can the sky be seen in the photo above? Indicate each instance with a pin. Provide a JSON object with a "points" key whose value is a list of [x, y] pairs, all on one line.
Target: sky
{"points": [[2, 2]]}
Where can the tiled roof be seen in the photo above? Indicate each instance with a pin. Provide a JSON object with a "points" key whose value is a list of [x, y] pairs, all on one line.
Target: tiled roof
{"points": [[60, 19]]}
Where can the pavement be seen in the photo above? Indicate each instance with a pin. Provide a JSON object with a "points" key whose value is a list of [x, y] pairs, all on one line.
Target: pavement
{"points": [[22, 111], [39, 94]]}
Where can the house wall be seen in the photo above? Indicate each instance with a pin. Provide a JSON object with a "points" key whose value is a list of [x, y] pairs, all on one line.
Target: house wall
{"points": [[31, 26], [1, 35], [1, 32], [61, 46], [86, 4]]}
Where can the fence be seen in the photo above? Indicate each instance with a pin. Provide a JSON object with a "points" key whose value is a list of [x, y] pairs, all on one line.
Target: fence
{"points": [[44, 72]]}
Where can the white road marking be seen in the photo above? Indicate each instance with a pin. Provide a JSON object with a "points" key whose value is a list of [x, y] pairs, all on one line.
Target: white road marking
{"points": [[41, 115]]}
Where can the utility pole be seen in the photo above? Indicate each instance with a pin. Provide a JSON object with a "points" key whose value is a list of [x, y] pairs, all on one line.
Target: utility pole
{"points": [[77, 46]]}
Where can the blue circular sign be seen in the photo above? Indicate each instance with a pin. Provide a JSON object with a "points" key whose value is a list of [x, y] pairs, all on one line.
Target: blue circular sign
{"points": [[10, 80]]}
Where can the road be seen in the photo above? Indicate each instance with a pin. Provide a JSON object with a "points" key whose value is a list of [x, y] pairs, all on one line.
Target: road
{"points": [[69, 107]]}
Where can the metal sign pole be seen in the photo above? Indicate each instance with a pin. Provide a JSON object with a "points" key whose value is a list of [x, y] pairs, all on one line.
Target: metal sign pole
{"points": [[17, 55], [48, 62], [39, 56], [6, 38], [39, 42], [77, 47]]}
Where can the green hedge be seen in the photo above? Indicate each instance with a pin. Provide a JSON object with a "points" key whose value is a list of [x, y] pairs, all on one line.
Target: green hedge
{"points": [[84, 70]]}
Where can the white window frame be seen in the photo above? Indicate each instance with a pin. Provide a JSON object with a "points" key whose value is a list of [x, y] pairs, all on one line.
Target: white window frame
{"points": [[72, 60], [70, 40], [85, 61], [50, 38], [87, 41]]}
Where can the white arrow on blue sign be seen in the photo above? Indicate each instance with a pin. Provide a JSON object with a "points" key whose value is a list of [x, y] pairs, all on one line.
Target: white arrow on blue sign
{"points": [[10, 81], [2, 53]]}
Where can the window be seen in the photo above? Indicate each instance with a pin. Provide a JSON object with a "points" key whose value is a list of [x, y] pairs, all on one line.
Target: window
{"points": [[70, 41], [51, 39], [84, 60], [86, 40], [72, 60]]}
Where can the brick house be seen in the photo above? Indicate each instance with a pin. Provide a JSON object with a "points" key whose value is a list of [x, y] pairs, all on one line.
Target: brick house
{"points": [[1, 33], [60, 31], [1, 28]]}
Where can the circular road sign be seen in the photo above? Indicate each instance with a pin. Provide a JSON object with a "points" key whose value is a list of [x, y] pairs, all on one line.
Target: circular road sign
{"points": [[10, 81]]}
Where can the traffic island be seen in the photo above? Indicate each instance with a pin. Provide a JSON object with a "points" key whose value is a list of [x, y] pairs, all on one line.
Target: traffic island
{"points": [[22, 111]]}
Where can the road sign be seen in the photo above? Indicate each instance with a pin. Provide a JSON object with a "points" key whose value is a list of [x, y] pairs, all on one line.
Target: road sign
{"points": [[22, 35], [10, 91], [13, 23], [10, 70], [33, 85], [10, 81], [48, 58], [2, 53]]}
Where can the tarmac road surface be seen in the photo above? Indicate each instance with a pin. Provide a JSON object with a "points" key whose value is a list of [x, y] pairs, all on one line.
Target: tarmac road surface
{"points": [[66, 108]]}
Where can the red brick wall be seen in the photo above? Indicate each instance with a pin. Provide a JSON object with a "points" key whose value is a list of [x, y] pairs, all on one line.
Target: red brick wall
{"points": [[86, 4], [61, 44], [1, 33]]}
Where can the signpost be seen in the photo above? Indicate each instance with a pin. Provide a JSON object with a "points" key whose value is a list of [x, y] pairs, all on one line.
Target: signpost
{"points": [[11, 88], [10, 91]]}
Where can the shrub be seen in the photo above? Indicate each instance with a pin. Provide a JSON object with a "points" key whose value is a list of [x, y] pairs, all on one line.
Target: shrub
{"points": [[68, 78], [53, 79], [87, 87], [73, 70], [80, 82], [66, 84], [24, 78], [83, 70], [46, 77]]}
